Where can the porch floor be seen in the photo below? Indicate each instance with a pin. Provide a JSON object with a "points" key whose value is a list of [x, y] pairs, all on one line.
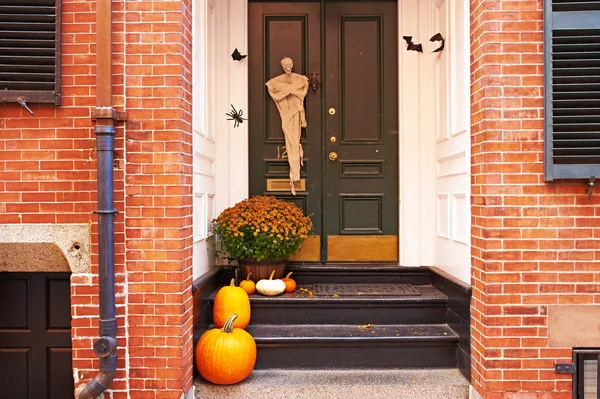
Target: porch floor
{"points": [[342, 384]]}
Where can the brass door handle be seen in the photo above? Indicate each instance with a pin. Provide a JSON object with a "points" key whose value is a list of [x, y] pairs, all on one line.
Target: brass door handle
{"points": [[333, 156]]}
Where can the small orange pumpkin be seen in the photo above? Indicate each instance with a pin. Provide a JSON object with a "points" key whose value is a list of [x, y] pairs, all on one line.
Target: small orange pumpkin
{"points": [[248, 285], [290, 284], [225, 356], [229, 300]]}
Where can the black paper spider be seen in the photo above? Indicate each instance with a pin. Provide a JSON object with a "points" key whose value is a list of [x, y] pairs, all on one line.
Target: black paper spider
{"points": [[236, 116]]}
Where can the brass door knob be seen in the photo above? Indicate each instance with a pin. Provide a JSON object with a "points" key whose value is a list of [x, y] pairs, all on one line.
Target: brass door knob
{"points": [[333, 156]]}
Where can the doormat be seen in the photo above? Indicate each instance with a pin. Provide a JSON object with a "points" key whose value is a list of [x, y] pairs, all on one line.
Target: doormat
{"points": [[364, 289]]}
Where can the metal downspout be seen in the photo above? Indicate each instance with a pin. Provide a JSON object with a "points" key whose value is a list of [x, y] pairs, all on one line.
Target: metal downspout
{"points": [[104, 114]]}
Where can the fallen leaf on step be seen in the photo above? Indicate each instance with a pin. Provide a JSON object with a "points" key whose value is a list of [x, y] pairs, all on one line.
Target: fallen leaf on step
{"points": [[370, 325], [306, 290]]}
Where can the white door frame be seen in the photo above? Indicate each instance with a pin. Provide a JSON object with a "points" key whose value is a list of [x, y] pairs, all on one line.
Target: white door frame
{"points": [[416, 127]]}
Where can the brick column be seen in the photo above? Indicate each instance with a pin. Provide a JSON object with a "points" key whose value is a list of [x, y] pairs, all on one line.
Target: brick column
{"points": [[532, 241], [158, 197]]}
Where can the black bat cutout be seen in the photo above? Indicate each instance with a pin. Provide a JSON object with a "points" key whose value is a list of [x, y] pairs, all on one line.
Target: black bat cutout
{"points": [[411, 45], [438, 38], [237, 56], [236, 116]]}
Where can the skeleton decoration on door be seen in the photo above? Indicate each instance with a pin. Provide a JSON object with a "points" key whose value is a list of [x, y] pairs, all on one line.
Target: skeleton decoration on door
{"points": [[288, 91]]}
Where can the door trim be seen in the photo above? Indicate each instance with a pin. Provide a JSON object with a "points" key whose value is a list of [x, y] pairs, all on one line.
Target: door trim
{"points": [[416, 151]]}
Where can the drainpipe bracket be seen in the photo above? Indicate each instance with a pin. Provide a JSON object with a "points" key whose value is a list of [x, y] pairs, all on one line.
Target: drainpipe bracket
{"points": [[109, 212], [108, 113]]}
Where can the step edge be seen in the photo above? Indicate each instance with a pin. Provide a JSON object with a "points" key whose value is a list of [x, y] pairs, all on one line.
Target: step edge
{"points": [[356, 267], [432, 326], [450, 336], [284, 302], [365, 341]]}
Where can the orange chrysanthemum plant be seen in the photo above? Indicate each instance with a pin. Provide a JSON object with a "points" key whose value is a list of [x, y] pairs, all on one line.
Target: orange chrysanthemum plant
{"points": [[262, 227]]}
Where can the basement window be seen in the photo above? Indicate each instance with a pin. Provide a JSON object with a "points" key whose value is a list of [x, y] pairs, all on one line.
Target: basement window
{"points": [[572, 89], [30, 51], [586, 375]]}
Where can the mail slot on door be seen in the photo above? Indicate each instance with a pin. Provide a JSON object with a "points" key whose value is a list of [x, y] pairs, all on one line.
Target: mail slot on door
{"points": [[284, 185]]}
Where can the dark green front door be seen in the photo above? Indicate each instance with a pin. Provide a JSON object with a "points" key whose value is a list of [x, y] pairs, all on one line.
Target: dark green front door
{"points": [[351, 140]]}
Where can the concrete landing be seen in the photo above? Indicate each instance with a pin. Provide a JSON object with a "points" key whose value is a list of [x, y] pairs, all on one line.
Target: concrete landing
{"points": [[342, 384]]}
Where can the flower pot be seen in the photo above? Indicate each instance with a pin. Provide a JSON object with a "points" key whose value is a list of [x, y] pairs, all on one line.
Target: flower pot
{"points": [[261, 269]]}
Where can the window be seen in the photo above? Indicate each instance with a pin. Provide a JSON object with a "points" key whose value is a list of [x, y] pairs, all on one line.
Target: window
{"points": [[30, 51], [572, 89], [586, 377]]}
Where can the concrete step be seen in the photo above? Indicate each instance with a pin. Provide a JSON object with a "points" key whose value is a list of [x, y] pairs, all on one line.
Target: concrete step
{"points": [[342, 384], [354, 346], [303, 307]]}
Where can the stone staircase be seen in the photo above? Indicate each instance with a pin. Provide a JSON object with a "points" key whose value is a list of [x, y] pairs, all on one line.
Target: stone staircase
{"points": [[399, 343]]}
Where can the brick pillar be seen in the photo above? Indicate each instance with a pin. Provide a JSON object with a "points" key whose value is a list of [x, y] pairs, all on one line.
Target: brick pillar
{"points": [[158, 197], [532, 241]]}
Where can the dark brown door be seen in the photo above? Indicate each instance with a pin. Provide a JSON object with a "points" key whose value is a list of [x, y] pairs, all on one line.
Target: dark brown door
{"points": [[361, 143], [351, 141], [35, 336]]}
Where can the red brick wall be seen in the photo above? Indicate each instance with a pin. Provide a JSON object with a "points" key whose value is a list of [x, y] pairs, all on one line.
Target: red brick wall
{"points": [[158, 191], [533, 242], [48, 172]]}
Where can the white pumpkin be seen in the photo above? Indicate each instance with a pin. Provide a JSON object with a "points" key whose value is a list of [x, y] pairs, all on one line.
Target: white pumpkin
{"points": [[270, 287]]}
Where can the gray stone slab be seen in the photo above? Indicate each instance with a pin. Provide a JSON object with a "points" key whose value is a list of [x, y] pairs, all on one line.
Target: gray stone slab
{"points": [[342, 384], [45, 247], [571, 326]]}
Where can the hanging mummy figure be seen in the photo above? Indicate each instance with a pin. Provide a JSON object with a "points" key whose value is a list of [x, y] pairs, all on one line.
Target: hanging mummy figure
{"points": [[288, 91], [236, 116]]}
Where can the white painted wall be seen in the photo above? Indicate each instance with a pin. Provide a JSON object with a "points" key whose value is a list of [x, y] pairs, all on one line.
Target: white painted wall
{"points": [[220, 150], [417, 246], [238, 176], [434, 137], [204, 132], [231, 82]]}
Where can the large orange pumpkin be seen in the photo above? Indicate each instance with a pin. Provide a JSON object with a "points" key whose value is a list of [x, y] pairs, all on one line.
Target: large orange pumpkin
{"points": [[225, 356], [229, 300]]}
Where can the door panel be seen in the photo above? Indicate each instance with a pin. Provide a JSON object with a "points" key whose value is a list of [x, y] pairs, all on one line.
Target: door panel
{"points": [[35, 336], [361, 248], [357, 194], [362, 129], [207, 17], [359, 79], [277, 30]]}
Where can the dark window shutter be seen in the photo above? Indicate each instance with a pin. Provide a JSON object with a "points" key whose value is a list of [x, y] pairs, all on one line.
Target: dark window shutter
{"points": [[30, 51], [572, 88]]}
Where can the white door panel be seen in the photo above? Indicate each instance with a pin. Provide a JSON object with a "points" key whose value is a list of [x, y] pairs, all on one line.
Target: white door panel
{"points": [[206, 15], [452, 152]]}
